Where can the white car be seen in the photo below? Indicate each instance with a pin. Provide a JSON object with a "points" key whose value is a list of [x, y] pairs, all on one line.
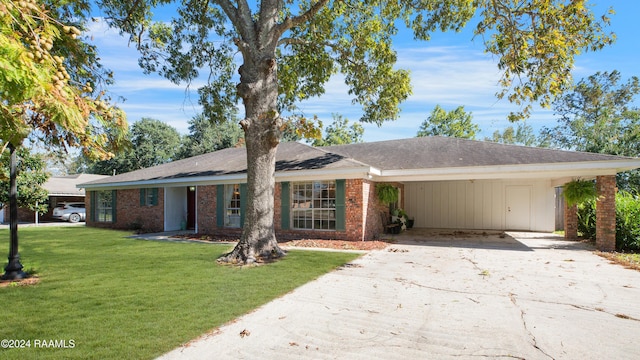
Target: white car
{"points": [[70, 211]]}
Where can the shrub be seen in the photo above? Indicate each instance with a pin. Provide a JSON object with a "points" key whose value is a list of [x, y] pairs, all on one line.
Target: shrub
{"points": [[627, 221], [587, 219]]}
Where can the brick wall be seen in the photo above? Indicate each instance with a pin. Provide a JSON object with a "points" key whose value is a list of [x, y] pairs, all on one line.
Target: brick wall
{"points": [[606, 213], [374, 211], [130, 215], [570, 221], [206, 209], [353, 213], [363, 214]]}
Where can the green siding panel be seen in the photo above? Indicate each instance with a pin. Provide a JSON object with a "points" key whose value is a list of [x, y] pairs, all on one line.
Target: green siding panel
{"points": [[340, 205], [285, 205], [220, 206]]}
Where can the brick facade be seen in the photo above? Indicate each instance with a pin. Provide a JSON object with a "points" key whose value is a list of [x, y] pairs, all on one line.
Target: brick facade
{"points": [[130, 214], [606, 213], [363, 214], [206, 209], [570, 222]]}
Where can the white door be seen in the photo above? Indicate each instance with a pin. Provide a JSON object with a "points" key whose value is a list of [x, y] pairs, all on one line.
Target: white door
{"points": [[518, 207]]}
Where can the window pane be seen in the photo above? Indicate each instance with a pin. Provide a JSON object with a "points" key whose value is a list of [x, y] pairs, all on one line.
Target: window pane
{"points": [[232, 205], [320, 198], [104, 208]]}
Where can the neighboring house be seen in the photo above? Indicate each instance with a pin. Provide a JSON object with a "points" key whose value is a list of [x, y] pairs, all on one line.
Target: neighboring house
{"points": [[329, 192], [60, 189]]}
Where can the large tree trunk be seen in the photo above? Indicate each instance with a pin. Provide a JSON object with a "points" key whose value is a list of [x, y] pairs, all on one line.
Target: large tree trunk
{"points": [[259, 90]]}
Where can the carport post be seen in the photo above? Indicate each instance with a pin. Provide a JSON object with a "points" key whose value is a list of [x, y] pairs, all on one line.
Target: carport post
{"points": [[570, 221], [606, 213]]}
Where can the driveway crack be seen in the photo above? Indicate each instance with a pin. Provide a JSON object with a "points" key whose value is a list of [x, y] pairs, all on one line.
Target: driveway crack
{"points": [[524, 324]]}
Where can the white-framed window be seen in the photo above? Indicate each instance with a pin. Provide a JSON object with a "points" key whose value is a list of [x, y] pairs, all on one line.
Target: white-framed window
{"points": [[232, 209], [313, 205], [104, 206]]}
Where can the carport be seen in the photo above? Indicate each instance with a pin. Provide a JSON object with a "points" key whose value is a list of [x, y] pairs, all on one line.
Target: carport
{"points": [[462, 184], [516, 204]]}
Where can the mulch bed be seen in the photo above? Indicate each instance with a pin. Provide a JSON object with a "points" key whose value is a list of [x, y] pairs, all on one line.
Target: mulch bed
{"points": [[337, 244], [22, 282], [307, 243]]}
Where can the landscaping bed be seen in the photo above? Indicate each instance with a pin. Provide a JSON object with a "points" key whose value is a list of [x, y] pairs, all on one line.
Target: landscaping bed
{"points": [[303, 243]]}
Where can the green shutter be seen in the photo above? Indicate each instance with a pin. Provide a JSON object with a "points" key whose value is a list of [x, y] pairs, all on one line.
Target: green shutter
{"points": [[92, 210], [114, 204], [143, 197], [154, 196], [220, 206], [243, 202], [340, 205], [285, 217]]}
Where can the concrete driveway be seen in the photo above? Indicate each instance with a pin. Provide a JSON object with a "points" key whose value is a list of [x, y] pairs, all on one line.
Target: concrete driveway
{"points": [[440, 295]]}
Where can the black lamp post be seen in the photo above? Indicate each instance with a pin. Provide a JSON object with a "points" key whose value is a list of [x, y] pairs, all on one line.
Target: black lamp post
{"points": [[13, 270]]}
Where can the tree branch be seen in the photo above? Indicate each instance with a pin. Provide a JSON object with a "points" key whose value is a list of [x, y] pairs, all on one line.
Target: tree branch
{"points": [[288, 23], [241, 19]]}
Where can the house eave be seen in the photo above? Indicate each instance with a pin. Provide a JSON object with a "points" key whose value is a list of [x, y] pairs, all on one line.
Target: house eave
{"points": [[296, 175], [551, 171]]}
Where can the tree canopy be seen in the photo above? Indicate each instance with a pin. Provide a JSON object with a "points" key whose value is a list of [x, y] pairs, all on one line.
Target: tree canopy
{"points": [[455, 123], [31, 177], [50, 82], [153, 142], [50, 78], [339, 133], [521, 134], [290, 49], [206, 136], [598, 116]]}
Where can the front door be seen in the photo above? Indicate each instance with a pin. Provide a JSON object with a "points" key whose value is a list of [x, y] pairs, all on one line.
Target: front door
{"points": [[191, 207], [518, 207]]}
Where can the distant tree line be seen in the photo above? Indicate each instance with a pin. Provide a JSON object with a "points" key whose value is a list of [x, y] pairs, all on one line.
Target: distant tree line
{"points": [[597, 116]]}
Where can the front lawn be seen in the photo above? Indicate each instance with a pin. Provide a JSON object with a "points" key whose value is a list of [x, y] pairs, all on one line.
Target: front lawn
{"points": [[105, 296]]}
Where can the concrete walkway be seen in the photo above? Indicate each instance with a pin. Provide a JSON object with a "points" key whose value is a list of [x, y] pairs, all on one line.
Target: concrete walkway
{"points": [[447, 296]]}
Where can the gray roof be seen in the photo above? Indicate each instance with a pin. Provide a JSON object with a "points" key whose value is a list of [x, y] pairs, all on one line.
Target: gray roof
{"points": [[440, 152], [67, 185], [291, 156], [414, 153]]}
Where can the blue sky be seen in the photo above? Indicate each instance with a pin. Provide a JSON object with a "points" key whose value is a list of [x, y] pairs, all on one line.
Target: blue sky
{"points": [[450, 70]]}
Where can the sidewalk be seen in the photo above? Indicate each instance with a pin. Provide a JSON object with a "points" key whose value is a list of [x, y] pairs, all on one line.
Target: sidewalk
{"points": [[43, 224]]}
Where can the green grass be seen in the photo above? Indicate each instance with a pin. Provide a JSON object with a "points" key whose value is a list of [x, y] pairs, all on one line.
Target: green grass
{"points": [[118, 298]]}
